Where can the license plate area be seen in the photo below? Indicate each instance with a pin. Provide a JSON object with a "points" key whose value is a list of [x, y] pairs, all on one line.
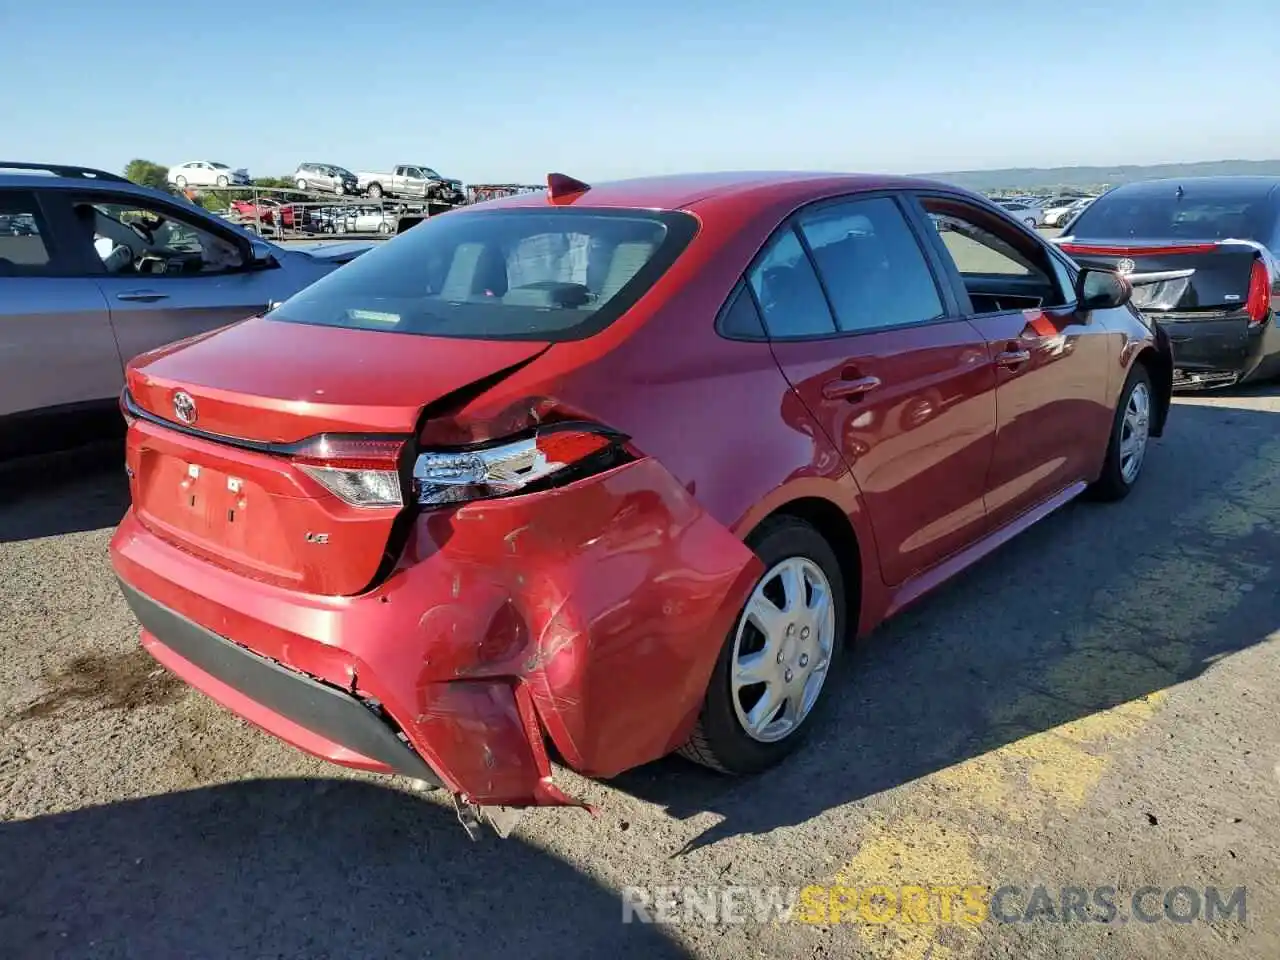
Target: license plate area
{"points": [[220, 514], [197, 498]]}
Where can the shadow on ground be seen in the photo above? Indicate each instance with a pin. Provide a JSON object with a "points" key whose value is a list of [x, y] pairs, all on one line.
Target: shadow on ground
{"points": [[1099, 605], [296, 868], [68, 492]]}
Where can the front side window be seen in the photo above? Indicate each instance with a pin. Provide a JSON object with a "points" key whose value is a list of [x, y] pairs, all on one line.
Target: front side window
{"points": [[131, 237], [503, 274], [871, 265], [1000, 267], [975, 250], [23, 250]]}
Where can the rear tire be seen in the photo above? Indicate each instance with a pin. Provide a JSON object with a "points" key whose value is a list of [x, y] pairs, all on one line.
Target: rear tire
{"points": [[223, 181], [302, 184], [375, 190], [734, 734], [1130, 436]]}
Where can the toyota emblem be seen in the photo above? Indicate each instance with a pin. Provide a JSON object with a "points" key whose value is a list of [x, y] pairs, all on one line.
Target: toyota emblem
{"points": [[1125, 267], [184, 408]]}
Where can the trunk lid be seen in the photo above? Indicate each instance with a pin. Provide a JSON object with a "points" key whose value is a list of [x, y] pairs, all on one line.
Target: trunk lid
{"points": [[226, 485], [1199, 280], [275, 382]]}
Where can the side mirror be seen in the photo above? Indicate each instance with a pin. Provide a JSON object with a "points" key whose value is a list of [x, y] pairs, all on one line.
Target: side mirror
{"points": [[261, 254], [1102, 289]]}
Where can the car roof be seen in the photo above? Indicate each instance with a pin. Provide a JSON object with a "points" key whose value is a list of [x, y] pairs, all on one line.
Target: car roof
{"points": [[48, 181], [684, 191]]}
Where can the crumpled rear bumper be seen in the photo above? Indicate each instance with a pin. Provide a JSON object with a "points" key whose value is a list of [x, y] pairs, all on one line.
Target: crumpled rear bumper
{"points": [[592, 614]]}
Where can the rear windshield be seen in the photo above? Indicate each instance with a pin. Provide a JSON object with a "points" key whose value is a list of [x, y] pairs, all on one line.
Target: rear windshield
{"points": [[1198, 215], [503, 274]]}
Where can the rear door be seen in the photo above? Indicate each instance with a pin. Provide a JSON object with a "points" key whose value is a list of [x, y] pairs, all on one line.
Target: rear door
{"points": [[195, 277], [1052, 363], [56, 343], [904, 388]]}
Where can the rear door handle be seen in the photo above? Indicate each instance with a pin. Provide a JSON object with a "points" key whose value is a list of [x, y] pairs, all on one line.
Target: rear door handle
{"points": [[142, 296], [1013, 358], [849, 387]]}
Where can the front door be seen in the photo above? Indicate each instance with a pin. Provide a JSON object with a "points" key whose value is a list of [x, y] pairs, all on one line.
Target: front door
{"points": [[905, 390], [165, 275], [1050, 359]]}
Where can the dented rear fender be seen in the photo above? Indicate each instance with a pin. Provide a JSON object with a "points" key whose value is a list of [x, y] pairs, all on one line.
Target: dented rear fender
{"points": [[607, 601]]}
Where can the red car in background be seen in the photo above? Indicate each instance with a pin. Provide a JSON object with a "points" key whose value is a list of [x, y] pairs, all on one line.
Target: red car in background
{"points": [[617, 467], [264, 210]]}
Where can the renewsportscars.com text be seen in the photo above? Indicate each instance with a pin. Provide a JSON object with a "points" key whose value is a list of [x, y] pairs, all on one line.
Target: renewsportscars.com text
{"points": [[968, 905]]}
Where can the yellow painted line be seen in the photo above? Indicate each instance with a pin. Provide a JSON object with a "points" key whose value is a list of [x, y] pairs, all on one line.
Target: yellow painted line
{"points": [[1140, 634]]}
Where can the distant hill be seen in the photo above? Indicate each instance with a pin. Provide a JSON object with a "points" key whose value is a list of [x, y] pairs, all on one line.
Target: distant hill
{"points": [[1034, 178]]}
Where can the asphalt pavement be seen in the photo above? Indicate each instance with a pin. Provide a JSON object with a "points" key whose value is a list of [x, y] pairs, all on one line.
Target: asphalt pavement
{"points": [[1093, 707]]}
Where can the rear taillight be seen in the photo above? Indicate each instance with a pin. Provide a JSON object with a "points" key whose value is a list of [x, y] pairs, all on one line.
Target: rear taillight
{"points": [[361, 471], [1258, 303], [454, 476], [1106, 250]]}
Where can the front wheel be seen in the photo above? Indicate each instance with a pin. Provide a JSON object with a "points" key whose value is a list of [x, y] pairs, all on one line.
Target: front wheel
{"points": [[223, 181], [1130, 434], [180, 182], [768, 681]]}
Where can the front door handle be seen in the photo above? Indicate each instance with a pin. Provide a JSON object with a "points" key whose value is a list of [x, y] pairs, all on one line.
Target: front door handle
{"points": [[142, 296], [849, 387], [1013, 358]]}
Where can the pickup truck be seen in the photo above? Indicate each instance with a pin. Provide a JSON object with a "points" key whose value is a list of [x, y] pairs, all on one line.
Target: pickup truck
{"points": [[412, 180]]}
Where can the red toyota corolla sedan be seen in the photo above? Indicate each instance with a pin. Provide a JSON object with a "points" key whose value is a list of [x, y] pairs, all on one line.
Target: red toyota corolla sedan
{"points": [[616, 467]]}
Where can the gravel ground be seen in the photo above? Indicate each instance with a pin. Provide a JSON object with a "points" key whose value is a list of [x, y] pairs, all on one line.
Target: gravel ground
{"points": [[1093, 706]]}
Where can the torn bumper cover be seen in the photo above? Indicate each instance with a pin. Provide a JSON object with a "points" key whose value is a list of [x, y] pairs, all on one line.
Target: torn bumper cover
{"points": [[591, 614]]}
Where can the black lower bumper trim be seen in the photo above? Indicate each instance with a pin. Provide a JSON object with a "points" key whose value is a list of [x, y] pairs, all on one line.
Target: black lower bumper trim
{"points": [[323, 709]]}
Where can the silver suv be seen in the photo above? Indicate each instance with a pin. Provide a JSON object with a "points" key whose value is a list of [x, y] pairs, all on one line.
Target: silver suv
{"points": [[326, 178], [95, 270]]}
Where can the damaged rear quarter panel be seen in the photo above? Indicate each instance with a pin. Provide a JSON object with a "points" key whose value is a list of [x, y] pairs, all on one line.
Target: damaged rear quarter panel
{"points": [[608, 601]]}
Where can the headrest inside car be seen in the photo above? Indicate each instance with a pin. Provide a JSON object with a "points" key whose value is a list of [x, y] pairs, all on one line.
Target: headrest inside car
{"points": [[548, 293]]}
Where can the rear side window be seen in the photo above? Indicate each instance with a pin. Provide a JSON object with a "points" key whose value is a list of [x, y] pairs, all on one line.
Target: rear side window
{"points": [[788, 290], [874, 270], [23, 247], [1200, 213], [741, 320], [505, 274]]}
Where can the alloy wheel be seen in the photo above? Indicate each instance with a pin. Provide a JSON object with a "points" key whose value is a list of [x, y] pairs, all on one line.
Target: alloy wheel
{"points": [[782, 649], [1134, 431]]}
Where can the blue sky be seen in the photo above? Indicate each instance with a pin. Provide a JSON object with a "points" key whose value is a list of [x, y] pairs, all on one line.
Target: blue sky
{"points": [[499, 90]]}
